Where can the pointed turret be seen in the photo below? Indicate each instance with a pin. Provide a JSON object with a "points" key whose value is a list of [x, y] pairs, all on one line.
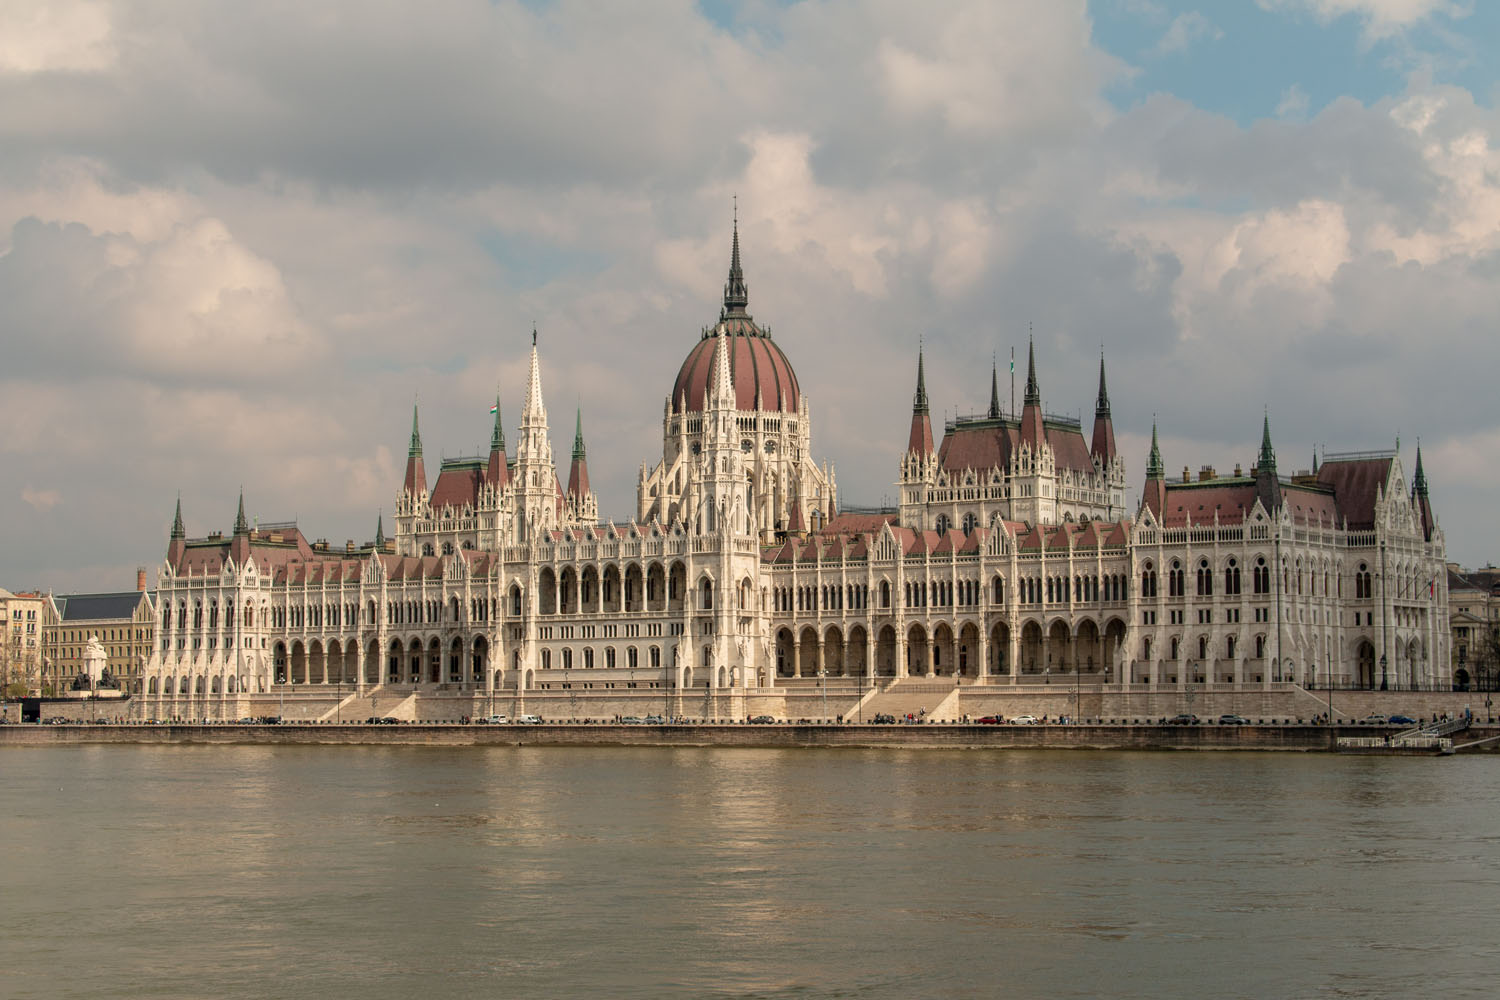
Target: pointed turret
{"points": [[994, 412], [496, 473], [919, 442], [1267, 485], [578, 472], [1103, 447], [177, 546], [380, 532], [1419, 495], [1155, 494], [416, 472], [239, 546], [178, 531], [1031, 409], [736, 295]]}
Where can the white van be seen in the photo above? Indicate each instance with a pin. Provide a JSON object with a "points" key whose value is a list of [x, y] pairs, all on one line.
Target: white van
{"points": [[529, 720]]}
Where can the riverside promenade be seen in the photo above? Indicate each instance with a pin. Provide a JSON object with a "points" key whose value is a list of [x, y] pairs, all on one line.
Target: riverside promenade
{"points": [[1485, 738]]}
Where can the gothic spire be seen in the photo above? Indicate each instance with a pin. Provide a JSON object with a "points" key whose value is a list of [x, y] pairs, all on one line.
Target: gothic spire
{"points": [[1267, 460], [1154, 467], [994, 413], [1419, 484], [736, 295], [578, 472], [241, 525], [1101, 405], [1033, 391], [497, 436], [578, 450], [415, 451], [380, 531], [178, 531], [919, 401]]}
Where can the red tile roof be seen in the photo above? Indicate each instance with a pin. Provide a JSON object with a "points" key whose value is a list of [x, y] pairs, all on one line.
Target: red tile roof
{"points": [[1355, 483]]}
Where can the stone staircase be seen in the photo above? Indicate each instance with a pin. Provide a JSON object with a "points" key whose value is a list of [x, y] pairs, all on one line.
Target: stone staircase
{"points": [[378, 702], [909, 695]]}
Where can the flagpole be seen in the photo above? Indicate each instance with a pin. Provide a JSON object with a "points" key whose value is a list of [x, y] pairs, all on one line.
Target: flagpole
{"points": [[1012, 380]]}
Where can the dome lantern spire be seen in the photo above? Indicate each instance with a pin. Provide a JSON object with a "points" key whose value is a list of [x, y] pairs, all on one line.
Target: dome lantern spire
{"points": [[736, 295]]}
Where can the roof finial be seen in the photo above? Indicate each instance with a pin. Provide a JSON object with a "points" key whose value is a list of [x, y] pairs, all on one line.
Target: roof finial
{"points": [[497, 436], [736, 295], [533, 333]]}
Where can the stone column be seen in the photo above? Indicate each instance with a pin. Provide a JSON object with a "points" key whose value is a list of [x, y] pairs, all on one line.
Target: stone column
{"points": [[984, 657], [796, 655]]}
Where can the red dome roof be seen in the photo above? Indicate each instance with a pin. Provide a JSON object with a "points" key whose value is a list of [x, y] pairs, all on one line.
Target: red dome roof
{"points": [[755, 362]]}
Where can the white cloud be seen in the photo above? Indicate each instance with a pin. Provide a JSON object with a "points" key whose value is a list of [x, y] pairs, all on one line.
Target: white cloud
{"points": [[41, 500], [1293, 103], [55, 36], [1186, 30], [1381, 18]]}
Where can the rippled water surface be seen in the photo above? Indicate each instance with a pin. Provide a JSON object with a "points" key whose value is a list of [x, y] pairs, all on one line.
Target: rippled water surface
{"points": [[379, 872]]}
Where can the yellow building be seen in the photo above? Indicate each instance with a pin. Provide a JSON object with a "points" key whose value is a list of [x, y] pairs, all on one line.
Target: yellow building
{"points": [[124, 622], [21, 650]]}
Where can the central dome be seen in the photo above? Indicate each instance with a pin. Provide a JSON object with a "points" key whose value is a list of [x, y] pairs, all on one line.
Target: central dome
{"points": [[758, 367]]}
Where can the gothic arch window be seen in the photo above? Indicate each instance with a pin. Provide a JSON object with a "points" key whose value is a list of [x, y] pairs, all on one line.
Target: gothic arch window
{"points": [[1175, 581], [1205, 579], [943, 524], [971, 521], [1232, 578], [427, 548], [1262, 576], [447, 548]]}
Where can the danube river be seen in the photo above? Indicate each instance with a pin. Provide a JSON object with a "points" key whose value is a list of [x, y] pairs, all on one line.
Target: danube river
{"points": [[374, 872]]}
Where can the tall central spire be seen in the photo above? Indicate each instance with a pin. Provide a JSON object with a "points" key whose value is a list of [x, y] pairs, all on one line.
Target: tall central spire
{"points": [[736, 296], [1033, 391], [1101, 405]]}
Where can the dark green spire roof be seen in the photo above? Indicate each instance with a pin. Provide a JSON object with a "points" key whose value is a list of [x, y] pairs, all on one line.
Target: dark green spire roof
{"points": [[179, 532], [380, 530], [919, 402], [1154, 467], [1267, 460], [1420, 483], [736, 295], [579, 454], [241, 525], [1101, 405], [497, 436], [1033, 391], [994, 413], [416, 436]]}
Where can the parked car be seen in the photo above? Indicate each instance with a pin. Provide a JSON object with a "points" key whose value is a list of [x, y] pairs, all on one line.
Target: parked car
{"points": [[1402, 720], [763, 720], [632, 720], [1233, 720], [529, 720], [1375, 719], [990, 720], [497, 720], [882, 719], [1184, 719], [1024, 720], [655, 720]]}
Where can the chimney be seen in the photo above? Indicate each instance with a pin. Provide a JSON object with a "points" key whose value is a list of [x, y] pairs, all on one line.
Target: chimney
{"points": [[140, 579], [1187, 476]]}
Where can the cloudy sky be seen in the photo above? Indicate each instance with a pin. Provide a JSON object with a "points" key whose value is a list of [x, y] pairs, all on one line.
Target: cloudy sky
{"points": [[237, 240]]}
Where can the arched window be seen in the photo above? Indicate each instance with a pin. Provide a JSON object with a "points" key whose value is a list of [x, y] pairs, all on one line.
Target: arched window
{"points": [[1175, 581], [1262, 576], [885, 593], [1232, 578], [999, 589], [970, 522], [1205, 579]]}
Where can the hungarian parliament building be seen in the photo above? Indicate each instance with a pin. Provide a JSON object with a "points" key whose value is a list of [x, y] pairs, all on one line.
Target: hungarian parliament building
{"points": [[1011, 560]]}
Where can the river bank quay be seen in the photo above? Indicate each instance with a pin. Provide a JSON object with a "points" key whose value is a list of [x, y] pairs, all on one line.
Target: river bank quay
{"points": [[1479, 738]]}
